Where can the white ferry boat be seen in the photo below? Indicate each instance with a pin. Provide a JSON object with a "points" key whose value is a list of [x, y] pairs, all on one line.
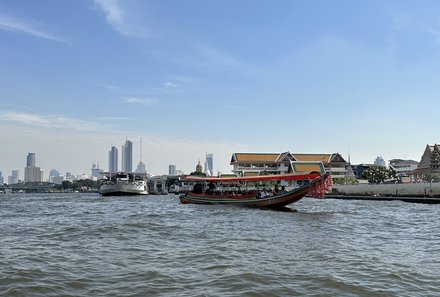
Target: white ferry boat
{"points": [[121, 184]]}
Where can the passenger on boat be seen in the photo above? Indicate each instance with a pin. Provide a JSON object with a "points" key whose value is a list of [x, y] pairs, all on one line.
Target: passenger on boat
{"points": [[264, 194], [198, 188], [211, 187]]}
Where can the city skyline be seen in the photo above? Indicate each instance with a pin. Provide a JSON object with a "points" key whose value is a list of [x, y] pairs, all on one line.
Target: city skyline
{"points": [[191, 77]]}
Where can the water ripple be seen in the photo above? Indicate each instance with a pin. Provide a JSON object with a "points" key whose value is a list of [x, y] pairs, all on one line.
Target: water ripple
{"points": [[87, 245]]}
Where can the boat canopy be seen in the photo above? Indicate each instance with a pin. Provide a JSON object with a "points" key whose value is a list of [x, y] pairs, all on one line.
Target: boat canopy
{"points": [[289, 176]]}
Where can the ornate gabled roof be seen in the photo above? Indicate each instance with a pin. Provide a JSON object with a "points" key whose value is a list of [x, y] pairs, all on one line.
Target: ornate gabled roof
{"points": [[256, 158], [284, 157], [304, 166], [425, 161]]}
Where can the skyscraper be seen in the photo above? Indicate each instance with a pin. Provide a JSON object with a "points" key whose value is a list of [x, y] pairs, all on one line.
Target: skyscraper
{"points": [[113, 160], [30, 161], [1, 179], [172, 170], [127, 156], [32, 173], [13, 178], [209, 164]]}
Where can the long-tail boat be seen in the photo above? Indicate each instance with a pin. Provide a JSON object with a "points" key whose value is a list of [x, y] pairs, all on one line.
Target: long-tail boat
{"points": [[315, 184]]}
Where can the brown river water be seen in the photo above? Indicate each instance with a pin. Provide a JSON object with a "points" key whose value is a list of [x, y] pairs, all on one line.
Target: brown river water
{"points": [[86, 245]]}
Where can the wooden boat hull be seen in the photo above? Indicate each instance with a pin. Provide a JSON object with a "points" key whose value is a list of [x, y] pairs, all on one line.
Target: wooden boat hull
{"points": [[277, 201]]}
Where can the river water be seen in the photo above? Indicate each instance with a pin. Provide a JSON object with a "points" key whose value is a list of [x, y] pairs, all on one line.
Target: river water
{"points": [[87, 245]]}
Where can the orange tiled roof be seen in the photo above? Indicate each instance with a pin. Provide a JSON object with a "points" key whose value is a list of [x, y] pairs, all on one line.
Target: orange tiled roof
{"points": [[255, 157], [313, 157], [307, 168]]}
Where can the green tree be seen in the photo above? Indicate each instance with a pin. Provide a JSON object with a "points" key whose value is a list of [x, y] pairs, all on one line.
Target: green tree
{"points": [[65, 184], [346, 180], [378, 174], [198, 173]]}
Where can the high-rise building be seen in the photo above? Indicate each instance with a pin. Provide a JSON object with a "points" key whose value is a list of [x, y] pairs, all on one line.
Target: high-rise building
{"points": [[127, 156], [172, 170], [113, 160], [55, 177], [209, 164], [13, 178], [30, 160], [32, 173], [1, 179], [96, 172]]}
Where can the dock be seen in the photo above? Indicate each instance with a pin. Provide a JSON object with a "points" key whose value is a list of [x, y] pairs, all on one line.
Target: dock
{"points": [[426, 200]]}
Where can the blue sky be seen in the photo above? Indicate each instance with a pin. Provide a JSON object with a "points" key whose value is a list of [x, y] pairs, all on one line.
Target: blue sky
{"points": [[191, 77]]}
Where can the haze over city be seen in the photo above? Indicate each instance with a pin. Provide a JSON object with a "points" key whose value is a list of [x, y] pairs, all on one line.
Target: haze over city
{"points": [[197, 77]]}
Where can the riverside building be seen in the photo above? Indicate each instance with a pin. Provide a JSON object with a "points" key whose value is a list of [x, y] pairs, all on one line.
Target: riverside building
{"points": [[252, 164]]}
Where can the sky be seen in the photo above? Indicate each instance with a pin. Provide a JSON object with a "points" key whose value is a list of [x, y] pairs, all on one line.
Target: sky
{"points": [[359, 78]]}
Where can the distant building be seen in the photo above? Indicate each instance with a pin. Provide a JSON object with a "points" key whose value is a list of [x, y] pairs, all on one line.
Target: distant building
{"points": [[14, 177], [209, 164], [359, 170], [403, 168], [172, 170], [429, 165], [127, 156], [380, 162], [199, 168], [96, 171], [1, 179], [30, 160], [54, 172], [141, 168], [112, 160], [70, 176], [32, 173], [56, 177]]}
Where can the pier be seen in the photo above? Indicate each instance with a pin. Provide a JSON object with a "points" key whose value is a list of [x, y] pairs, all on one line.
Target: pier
{"points": [[426, 200]]}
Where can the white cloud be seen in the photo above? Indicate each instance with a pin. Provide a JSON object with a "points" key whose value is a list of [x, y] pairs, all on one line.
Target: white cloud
{"points": [[77, 144], [47, 121], [210, 59], [169, 85], [142, 101], [121, 19], [19, 26]]}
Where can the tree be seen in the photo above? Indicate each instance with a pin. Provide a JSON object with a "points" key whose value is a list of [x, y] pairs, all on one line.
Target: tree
{"points": [[65, 184], [346, 180], [198, 173], [379, 174]]}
